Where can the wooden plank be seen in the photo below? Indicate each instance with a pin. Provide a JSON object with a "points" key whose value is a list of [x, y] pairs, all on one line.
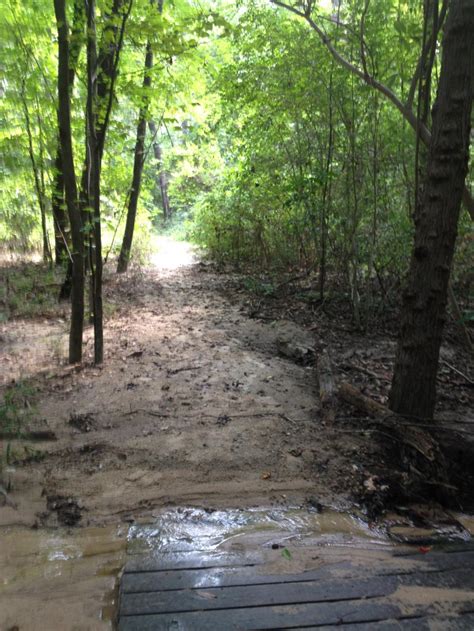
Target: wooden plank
{"points": [[276, 617], [243, 575], [232, 597], [212, 577], [252, 596], [461, 622], [191, 560]]}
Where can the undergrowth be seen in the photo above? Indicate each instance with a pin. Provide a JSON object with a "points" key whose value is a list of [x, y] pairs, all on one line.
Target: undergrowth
{"points": [[28, 290], [17, 408]]}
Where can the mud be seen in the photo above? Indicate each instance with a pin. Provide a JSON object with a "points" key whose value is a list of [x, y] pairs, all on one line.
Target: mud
{"points": [[192, 405], [60, 580]]}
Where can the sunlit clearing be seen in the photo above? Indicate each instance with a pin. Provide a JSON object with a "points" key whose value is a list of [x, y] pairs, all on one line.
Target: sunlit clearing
{"points": [[171, 254]]}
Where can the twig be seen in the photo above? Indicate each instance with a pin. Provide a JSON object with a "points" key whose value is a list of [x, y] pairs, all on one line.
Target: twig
{"points": [[150, 412], [453, 368], [175, 371]]}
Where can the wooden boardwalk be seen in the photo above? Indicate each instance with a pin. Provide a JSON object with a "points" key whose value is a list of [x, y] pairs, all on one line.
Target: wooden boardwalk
{"points": [[350, 589]]}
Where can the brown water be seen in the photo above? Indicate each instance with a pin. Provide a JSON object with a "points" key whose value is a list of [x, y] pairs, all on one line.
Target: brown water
{"points": [[60, 580], [67, 579]]}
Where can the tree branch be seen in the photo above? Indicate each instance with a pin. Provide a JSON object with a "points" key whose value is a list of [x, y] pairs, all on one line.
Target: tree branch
{"points": [[404, 109]]}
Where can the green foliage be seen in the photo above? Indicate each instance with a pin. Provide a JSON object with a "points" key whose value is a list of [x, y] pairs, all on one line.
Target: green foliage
{"points": [[275, 156], [16, 409], [28, 290]]}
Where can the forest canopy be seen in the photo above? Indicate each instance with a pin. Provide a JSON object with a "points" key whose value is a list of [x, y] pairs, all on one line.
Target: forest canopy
{"points": [[277, 136]]}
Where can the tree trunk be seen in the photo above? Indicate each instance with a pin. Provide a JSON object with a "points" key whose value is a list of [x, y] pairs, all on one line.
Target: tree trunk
{"points": [[92, 184], [70, 187], [162, 181], [40, 193], [424, 300], [61, 228], [139, 159], [102, 69]]}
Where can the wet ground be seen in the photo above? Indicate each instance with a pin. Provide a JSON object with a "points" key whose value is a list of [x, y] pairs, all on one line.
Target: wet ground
{"points": [[65, 579], [58, 580]]}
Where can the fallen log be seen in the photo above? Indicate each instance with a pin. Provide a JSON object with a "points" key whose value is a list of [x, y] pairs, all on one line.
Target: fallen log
{"points": [[403, 431], [413, 449], [354, 397]]}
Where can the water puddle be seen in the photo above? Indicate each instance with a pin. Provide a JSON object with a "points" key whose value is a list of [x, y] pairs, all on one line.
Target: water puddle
{"points": [[59, 579], [68, 579], [184, 529]]}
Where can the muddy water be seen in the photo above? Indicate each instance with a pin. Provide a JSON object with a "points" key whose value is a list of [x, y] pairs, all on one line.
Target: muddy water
{"points": [[198, 529], [60, 580], [67, 580]]}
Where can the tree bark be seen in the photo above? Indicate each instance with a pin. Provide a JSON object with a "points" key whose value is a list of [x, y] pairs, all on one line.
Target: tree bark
{"points": [[61, 228], [102, 68], [138, 162], [92, 184], [70, 187], [424, 300]]}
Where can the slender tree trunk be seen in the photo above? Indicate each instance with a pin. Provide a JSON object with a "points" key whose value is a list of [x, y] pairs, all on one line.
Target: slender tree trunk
{"points": [[92, 184], [138, 162], [40, 193], [102, 72], [424, 300], [162, 181], [326, 195], [64, 124], [61, 227]]}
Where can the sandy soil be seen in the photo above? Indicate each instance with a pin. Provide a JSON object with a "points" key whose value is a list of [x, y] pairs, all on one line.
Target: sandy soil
{"points": [[194, 405]]}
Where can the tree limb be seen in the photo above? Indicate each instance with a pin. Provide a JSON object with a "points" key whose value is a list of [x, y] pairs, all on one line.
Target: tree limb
{"points": [[404, 109]]}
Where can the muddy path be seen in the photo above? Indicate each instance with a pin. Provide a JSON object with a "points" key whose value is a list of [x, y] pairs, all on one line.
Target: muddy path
{"points": [[192, 406], [195, 405]]}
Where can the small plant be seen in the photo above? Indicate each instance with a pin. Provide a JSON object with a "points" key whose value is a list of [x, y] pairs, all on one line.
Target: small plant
{"points": [[16, 409], [259, 287]]}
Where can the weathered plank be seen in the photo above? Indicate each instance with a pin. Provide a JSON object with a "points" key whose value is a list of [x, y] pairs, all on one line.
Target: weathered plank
{"points": [[458, 622], [276, 617], [190, 560], [137, 581], [253, 595], [220, 591]]}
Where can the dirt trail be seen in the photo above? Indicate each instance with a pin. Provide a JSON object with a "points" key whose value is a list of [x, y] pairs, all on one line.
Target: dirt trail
{"points": [[192, 406]]}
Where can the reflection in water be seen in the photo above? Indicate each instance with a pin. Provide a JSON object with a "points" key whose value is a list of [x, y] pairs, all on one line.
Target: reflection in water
{"points": [[182, 529], [197, 529]]}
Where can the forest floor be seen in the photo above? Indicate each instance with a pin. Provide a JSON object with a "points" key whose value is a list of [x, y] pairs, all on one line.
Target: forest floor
{"points": [[198, 402]]}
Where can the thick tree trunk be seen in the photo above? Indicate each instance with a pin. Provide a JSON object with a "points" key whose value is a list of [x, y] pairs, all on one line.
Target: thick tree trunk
{"points": [[64, 124], [424, 300], [138, 162], [162, 181]]}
